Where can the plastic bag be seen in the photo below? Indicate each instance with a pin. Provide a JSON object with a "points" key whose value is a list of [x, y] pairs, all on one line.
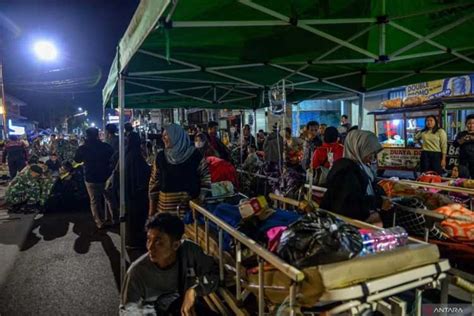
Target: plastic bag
{"points": [[319, 238]]}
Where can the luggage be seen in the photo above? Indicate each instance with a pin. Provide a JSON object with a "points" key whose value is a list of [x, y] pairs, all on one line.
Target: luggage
{"points": [[319, 238]]}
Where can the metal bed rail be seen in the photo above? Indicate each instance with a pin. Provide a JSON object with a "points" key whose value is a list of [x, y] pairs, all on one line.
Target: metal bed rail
{"points": [[263, 255], [377, 288], [442, 187], [265, 179]]}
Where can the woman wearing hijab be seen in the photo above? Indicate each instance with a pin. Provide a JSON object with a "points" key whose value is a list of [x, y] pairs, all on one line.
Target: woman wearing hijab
{"points": [[137, 177], [178, 173], [351, 188]]}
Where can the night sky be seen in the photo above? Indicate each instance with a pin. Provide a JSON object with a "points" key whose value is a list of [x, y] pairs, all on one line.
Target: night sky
{"points": [[86, 33]]}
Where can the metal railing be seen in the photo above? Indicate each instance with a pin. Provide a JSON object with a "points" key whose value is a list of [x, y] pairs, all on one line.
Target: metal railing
{"points": [[263, 255], [442, 187]]}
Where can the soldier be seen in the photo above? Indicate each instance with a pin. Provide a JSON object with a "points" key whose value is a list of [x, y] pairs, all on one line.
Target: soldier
{"points": [[37, 149], [30, 188], [61, 148], [68, 149]]}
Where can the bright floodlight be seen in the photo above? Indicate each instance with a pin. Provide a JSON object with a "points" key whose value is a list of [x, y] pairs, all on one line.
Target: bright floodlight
{"points": [[79, 109], [93, 124], [45, 50]]}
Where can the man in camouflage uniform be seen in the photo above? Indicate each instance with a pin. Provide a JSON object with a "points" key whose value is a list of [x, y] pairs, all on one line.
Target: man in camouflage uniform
{"points": [[30, 188], [37, 148], [67, 149], [61, 148]]}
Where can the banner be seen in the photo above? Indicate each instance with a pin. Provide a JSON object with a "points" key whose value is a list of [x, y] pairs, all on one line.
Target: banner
{"points": [[399, 158], [456, 86], [409, 158]]}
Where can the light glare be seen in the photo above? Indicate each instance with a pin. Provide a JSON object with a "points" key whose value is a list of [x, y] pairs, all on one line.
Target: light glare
{"points": [[45, 50]]}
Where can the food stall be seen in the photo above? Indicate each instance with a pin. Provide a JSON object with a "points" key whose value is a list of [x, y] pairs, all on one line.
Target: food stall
{"points": [[396, 128]]}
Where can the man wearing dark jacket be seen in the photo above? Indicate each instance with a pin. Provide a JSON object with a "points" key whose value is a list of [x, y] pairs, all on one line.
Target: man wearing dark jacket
{"points": [[311, 143], [15, 153], [96, 158], [172, 274]]}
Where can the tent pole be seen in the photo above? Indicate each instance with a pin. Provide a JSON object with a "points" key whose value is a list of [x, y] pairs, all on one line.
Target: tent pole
{"points": [[361, 109], [308, 28], [382, 32], [428, 41], [427, 38], [193, 88], [339, 86], [241, 137], [191, 97], [145, 86], [362, 100], [255, 126], [121, 106], [282, 157], [291, 70], [163, 72], [256, 23], [103, 120], [240, 99], [236, 66], [345, 61]]}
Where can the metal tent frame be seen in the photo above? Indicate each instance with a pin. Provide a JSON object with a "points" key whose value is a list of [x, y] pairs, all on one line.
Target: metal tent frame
{"points": [[222, 88]]}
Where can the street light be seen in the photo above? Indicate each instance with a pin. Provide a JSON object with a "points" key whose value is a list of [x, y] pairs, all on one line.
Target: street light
{"points": [[45, 50], [79, 109], [93, 124]]}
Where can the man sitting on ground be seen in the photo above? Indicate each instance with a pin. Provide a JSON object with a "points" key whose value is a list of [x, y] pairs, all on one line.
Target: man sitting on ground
{"points": [[53, 164], [172, 274]]}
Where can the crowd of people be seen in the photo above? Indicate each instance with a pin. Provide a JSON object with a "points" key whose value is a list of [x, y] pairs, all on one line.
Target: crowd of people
{"points": [[181, 165]]}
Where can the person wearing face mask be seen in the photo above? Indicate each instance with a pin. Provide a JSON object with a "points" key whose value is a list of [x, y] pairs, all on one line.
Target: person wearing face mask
{"points": [[351, 187], [434, 146], [178, 174], [201, 142], [465, 140]]}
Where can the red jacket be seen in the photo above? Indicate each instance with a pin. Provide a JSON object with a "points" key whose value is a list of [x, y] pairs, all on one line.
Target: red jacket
{"points": [[222, 170], [320, 155]]}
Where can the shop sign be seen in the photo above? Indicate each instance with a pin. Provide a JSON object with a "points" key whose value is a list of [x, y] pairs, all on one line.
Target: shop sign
{"points": [[452, 158], [399, 158], [456, 86], [409, 158]]}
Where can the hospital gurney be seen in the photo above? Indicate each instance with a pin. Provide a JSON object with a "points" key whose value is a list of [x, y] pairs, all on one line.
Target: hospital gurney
{"points": [[461, 282], [442, 187], [349, 284]]}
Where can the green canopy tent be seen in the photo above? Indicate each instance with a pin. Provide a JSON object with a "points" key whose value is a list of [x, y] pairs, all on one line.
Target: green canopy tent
{"points": [[229, 53]]}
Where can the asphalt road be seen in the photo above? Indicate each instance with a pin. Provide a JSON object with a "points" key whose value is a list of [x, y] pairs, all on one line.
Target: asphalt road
{"points": [[64, 267]]}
